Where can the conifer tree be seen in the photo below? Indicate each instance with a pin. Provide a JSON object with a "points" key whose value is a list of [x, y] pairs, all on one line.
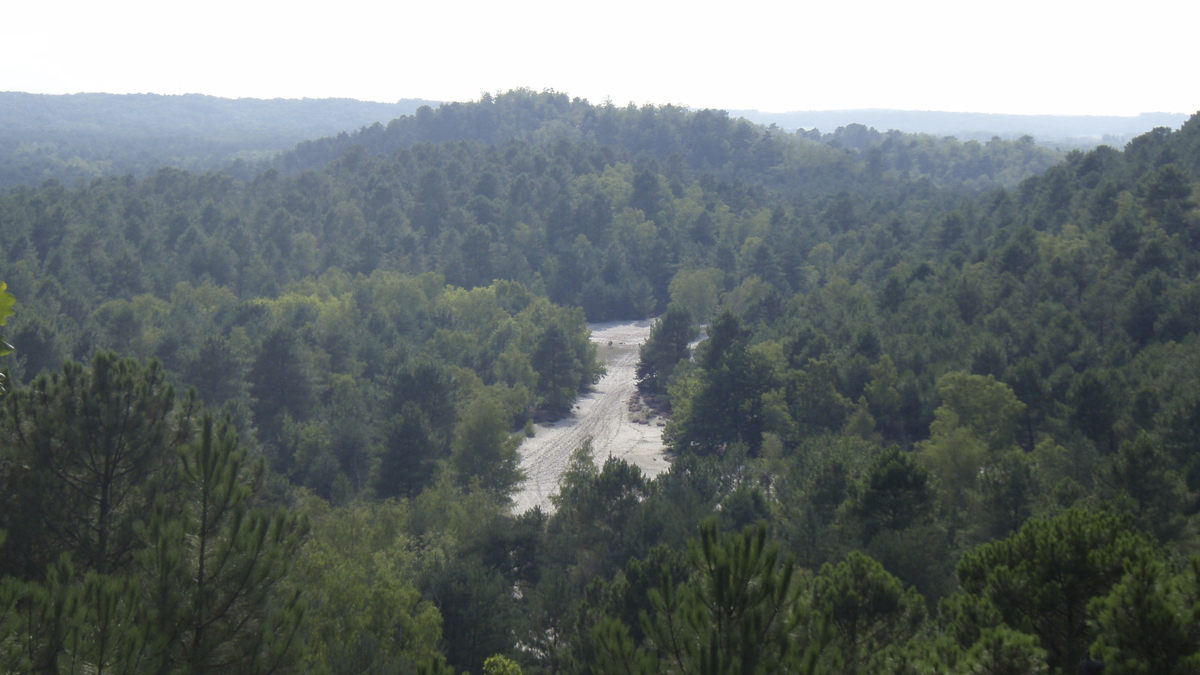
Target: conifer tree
{"points": [[1041, 578], [741, 612], [666, 347], [558, 367], [89, 450], [214, 570], [866, 608], [1150, 621]]}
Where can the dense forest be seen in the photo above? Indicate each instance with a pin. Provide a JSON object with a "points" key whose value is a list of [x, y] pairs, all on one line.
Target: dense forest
{"points": [[944, 419]]}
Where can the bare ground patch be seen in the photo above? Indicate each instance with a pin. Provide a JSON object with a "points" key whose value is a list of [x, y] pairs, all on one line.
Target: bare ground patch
{"points": [[605, 414]]}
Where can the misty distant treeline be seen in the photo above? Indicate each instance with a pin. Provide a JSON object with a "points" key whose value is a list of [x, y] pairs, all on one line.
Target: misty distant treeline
{"points": [[85, 136], [1050, 129]]}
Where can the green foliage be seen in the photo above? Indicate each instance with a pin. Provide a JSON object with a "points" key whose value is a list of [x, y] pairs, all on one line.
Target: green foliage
{"points": [[816, 403], [616, 652], [42, 620], [550, 623], [664, 349], [377, 316], [697, 292], [215, 567], [356, 576], [883, 398], [1150, 621], [987, 408], [279, 383], [198, 592], [112, 632], [1042, 578], [321, 393], [500, 665], [477, 612], [627, 596], [560, 371], [737, 614], [1007, 491], [484, 449], [1004, 651], [894, 494], [975, 424], [410, 456], [6, 310], [867, 609], [89, 451], [721, 404], [1146, 486], [597, 511]]}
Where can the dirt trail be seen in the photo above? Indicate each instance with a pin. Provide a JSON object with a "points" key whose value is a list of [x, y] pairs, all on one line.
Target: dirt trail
{"points": [[602, 414]]}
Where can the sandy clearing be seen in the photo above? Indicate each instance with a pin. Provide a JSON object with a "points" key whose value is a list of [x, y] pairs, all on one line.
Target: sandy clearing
{"points": [[602, 414]]}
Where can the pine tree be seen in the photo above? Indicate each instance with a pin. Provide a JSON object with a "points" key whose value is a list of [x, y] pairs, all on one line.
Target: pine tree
{"points": [[666, 347], [1041, 578], [558, 367], [214, 570], [1150, 621], [741, 612], [89, 450]]}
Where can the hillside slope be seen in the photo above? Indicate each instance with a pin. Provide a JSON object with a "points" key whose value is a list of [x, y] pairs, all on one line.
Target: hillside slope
{"points": [[85, 136]]}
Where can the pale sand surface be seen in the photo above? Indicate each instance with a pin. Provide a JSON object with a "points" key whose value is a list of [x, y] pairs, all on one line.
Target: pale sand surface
{"points": [[602, 414]]}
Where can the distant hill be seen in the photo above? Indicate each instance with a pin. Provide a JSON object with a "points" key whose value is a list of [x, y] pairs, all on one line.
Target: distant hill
{"points": [[1075, 129], [85, 136], [309, 117], [709, 141]]}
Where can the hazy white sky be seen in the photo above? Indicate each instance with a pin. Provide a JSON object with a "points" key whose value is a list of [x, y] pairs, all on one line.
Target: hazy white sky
{"points": [[1016, 56]]}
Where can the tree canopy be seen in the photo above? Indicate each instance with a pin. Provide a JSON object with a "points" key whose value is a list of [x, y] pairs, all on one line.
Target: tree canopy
{"points": [[942, 418]]}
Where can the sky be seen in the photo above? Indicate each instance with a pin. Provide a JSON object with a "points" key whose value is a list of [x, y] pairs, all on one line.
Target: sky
{"points": [[1016, 57]]}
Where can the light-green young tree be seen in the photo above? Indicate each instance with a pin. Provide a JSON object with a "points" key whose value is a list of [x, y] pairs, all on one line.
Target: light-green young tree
{"points": [[974, 426], [483, 449], [697, 291], [363, 612], [6, 310]]}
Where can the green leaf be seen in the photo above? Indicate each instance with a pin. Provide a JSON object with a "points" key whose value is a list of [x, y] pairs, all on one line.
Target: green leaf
{"points": [[6, 305]]}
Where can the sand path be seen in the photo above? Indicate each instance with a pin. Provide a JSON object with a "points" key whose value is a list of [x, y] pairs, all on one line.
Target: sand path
{"points": [[602, 414]]}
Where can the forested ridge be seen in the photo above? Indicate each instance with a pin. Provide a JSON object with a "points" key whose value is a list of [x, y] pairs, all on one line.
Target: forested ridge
{"points": [[944, 420], [80, 137]]}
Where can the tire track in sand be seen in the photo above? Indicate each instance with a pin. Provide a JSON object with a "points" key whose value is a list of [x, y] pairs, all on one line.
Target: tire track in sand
{"points": [[602, 414]]}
